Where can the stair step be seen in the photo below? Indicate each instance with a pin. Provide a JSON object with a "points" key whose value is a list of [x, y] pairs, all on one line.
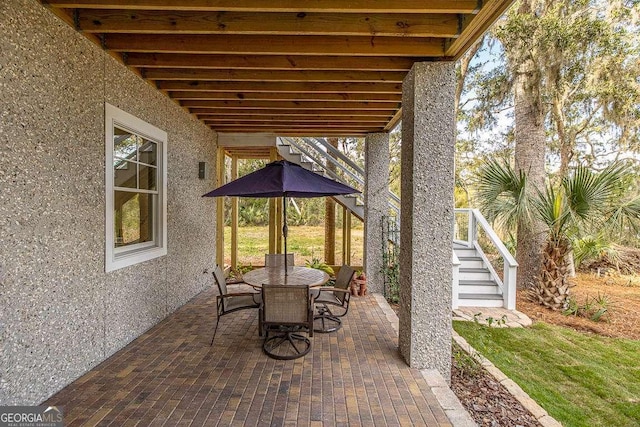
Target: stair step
{"points": [[469, 257], [464, 282], [472, 264], [475, 277], [462, 251], [480, 296], [473, 270]]}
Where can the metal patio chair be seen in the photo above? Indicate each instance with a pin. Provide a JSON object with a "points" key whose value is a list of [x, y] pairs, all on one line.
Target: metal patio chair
{"points": [[286, 314], [230, 302], [337, 296], [277, 260]]}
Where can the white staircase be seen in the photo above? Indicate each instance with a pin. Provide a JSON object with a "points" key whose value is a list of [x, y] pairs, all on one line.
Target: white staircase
{"points": [[476, 285], [475, 281]]}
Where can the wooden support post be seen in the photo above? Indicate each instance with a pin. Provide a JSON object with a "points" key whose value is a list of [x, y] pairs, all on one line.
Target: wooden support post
{"points": [[273, 212], [279, 214], [234, 216], [220, 169], [330, 231], [346, 236]]}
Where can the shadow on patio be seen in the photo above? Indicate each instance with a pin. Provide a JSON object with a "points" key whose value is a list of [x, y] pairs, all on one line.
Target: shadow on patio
{"points": [[170, 375]]}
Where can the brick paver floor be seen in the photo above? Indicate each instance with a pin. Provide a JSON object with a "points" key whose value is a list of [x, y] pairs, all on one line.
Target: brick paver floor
{"points": [[171, 376]]}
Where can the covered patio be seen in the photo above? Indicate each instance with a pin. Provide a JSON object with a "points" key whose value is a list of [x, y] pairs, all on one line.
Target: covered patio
{"points": [[188, 80], [171, 376]]}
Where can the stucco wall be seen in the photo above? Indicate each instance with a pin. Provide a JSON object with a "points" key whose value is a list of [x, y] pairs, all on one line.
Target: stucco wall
{"points": [[60, 313]]}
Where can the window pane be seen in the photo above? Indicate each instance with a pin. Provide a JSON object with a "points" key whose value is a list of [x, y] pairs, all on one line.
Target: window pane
{"points": [[124, 174], [147, 177], [133, 218], [147, 152], [124, 144]]}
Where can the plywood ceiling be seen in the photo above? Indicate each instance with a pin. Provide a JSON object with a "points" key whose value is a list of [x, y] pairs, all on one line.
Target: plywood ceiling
{"points": [[291, 67]]}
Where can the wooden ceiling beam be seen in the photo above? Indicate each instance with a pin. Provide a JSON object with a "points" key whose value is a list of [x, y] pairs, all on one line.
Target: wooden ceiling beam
{"points": [[298, 125], [288, 118], [392, 98], [302, 133], [276, 45], [198, 22], [296, 87], [332, 124], [293, 113], [252, 153], [293, 105], [271, 62], [297, 6], [297, 130], [381, 121], [325, 76]]}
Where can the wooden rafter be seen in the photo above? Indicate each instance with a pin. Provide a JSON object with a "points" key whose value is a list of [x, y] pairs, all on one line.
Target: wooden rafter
{"points": [[325, 76], [392, 98], [280, 87], [275, 45], [270, 62], [291, 23], [332, 6]]}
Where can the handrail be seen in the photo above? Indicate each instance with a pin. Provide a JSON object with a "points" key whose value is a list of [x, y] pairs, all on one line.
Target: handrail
{"points": [[358, 179], [348, 161], [358, 172], [337, 153], [510, 264], [316, 161], [494, 238]]}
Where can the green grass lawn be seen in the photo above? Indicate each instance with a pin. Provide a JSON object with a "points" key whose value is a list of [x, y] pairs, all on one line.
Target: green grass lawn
{"points": [[580, 379], [304, 241]]}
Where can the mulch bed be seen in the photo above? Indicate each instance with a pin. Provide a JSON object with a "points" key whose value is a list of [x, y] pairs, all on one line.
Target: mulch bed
{"points": [[487, 401]]}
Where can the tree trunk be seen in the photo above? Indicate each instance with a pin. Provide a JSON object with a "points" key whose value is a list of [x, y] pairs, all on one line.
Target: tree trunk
{"points": [[530, 139], [552, 290]]}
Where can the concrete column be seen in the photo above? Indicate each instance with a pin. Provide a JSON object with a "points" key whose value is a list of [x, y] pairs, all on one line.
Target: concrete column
{"points": [[428, 132], [376, 202]]}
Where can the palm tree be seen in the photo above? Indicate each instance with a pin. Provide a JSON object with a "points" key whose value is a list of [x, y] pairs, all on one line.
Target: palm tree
{"points": [[583, 202]]}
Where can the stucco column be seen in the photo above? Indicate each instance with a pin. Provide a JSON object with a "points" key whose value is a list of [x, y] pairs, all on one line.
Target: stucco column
{"points": [[426, 233], [376, 203]]}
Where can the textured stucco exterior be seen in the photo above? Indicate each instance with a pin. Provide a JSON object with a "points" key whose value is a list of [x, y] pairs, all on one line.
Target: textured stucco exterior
{"points": [[427, 216], [376, 200], [60, 313]]}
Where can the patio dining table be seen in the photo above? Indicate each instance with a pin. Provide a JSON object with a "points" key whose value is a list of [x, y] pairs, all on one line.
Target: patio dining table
{"points": [[296, 276]]}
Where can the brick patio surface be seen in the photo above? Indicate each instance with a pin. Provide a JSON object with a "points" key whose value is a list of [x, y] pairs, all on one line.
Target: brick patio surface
{"points": [[171, 376]]}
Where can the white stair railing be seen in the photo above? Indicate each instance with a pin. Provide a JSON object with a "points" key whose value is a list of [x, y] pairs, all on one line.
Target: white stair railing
{"points": [[510, 267]]}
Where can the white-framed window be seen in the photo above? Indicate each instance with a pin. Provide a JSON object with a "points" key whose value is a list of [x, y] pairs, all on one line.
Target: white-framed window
{"points": [[136, 189]]}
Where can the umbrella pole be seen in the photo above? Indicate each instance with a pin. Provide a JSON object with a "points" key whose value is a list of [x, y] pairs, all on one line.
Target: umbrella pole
{"points": [[284, 233]]}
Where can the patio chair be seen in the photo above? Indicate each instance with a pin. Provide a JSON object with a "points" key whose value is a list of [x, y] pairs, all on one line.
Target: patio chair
{"points": [[230, 302], [338, 296], [285, 314], [277, 260]]}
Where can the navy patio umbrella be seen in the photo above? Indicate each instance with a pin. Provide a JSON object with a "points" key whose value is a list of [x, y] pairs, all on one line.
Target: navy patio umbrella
{"points": [[282, 179]]}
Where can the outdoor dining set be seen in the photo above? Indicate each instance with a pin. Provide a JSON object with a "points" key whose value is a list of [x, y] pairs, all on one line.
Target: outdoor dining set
{"points": [[290, 300], [292, 303]]}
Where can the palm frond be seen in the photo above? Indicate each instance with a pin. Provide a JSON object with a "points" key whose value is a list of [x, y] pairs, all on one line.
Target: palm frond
{"points": [[502, 194], [552, 208], [593, 247], [624, 215], [589, 192]]}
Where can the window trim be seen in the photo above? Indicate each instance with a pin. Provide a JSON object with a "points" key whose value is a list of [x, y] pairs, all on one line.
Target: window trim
{"points": [[116, 258]]}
